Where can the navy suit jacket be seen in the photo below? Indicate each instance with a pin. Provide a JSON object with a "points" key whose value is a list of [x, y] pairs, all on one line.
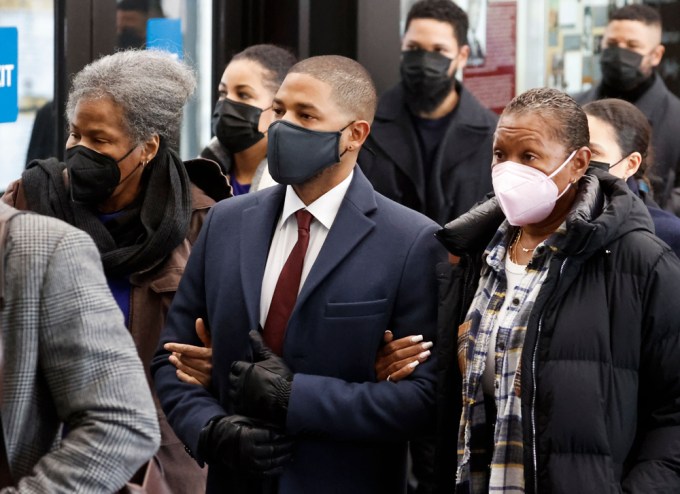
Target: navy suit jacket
{"points": [[375, 271]]}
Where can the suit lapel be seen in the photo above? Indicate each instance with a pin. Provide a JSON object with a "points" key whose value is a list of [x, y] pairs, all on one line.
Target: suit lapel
{"points": [[257, 227], [350, 227], [394, 133], [398, 141]]}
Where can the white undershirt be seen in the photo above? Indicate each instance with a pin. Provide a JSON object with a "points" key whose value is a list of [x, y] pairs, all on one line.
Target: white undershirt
{"points": [[513, 275], [324, 210]]}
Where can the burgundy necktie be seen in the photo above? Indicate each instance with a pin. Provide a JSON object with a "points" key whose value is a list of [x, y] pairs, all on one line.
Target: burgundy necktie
{"points": [[286, 291]]}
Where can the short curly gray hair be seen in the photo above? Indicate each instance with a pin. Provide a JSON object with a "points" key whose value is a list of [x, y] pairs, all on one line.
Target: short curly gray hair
{"points": [[150, 86]]}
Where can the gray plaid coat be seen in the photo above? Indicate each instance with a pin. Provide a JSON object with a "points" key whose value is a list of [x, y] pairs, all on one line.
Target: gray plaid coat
{"points": [[68, 358]]}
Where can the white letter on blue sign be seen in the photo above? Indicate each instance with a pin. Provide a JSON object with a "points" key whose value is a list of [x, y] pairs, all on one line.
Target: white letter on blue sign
{"points": [[6, 75]]}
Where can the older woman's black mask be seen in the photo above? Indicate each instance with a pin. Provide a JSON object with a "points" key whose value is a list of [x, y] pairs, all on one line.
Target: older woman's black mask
{"points": [[93, 176], [236, 125], [426, 79]]}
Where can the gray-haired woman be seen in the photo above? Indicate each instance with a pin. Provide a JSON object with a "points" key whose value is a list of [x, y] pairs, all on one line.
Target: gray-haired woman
{"points": [[124, 184]]}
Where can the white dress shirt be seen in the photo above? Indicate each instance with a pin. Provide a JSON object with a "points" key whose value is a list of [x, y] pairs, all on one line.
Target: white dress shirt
{"points": [[324, 210], [513, 275]]}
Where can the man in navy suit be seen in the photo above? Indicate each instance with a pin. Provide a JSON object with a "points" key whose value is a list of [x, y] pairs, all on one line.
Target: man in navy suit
{"points": [[309, 416]]}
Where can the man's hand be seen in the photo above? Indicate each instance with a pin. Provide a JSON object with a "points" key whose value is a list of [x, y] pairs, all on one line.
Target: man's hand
{"points": [[398, 359], [194, 363], [244, 445], [261, 389]]}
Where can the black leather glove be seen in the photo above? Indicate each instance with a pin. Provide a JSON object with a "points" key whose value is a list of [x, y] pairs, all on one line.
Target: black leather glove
{"points": [[261, 389], [242, 444]]}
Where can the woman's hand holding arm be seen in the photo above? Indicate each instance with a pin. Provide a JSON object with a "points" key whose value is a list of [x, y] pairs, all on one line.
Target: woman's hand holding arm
{"points": [[397, 359], [194, 363]]}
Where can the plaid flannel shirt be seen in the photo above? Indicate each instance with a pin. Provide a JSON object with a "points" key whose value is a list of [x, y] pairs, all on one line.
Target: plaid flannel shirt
{"points": [[490, 453]]}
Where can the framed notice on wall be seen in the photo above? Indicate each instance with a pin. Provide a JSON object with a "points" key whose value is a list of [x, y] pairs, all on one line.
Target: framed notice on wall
{"points": [[490, 73]]}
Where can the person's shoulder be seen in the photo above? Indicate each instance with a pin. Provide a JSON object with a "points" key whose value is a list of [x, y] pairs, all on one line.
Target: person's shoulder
{"points": [[391, 104], [216, 152], [244, 201], [43, 234], [473, 112], [639, 250], [14, 195], [667, 227], [402, 217], [586, 96], [209, 183], [673, 102]]}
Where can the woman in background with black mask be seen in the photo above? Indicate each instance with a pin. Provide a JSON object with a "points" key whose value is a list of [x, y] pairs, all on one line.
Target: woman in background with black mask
{"points": [[620, 139], [243, 113], [124, 184]]}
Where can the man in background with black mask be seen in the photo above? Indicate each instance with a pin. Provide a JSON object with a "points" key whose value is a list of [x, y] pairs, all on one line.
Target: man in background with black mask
{"points": [[631, 50], [131, 19], [430, 144]]}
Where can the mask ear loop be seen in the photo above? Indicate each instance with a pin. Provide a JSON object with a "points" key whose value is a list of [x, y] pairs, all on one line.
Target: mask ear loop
{"points": [[559, 169], [127, 154], [617, 163], [625, 177], [348, 148], [141, 164]]}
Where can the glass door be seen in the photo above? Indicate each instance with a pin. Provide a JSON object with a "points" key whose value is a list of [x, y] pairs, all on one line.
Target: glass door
{"points": [[27, 31], [183, 27]]}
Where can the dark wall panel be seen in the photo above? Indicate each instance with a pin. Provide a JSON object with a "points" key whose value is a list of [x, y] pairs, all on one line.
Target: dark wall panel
{"points": [[333, 28]]}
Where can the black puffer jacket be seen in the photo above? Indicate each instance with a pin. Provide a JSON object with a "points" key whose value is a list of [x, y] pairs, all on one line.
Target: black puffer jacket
{"points": [[600, 370]]}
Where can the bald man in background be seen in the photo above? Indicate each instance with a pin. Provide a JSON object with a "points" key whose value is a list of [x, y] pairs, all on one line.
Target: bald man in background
{"points": [[631, 52]]}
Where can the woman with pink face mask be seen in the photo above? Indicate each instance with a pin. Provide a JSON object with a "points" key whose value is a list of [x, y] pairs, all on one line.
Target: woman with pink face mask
{"points": [[558, 325]]}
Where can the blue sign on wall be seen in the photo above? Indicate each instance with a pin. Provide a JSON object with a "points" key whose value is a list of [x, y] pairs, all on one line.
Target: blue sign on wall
{"points": [[9, 70], [165, 34]]}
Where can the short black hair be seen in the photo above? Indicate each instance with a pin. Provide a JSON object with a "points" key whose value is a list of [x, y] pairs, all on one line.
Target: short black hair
{"points": [[443, 11], [137, 5], [274, 59], [638, 12], [352, 86]]}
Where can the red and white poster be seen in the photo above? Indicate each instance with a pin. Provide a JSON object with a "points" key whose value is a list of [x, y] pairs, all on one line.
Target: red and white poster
{"points": [[490, 73]]}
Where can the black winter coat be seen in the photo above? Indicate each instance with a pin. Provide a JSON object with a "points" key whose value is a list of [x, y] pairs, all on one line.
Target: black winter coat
{"points": [[600, 369], [461, 173]]}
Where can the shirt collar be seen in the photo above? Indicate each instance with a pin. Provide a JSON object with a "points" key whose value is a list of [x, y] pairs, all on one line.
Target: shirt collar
{"points": [[324, 209]]}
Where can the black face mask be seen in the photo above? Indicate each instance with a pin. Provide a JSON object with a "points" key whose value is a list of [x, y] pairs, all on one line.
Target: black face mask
{"points": [[601, 165], [93, 176], [426, 79], [621, 68], [236, 125], [296, 154]]}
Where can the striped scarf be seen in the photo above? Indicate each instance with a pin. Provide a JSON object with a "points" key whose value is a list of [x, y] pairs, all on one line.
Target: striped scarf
{"points": [[490, 440]]}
